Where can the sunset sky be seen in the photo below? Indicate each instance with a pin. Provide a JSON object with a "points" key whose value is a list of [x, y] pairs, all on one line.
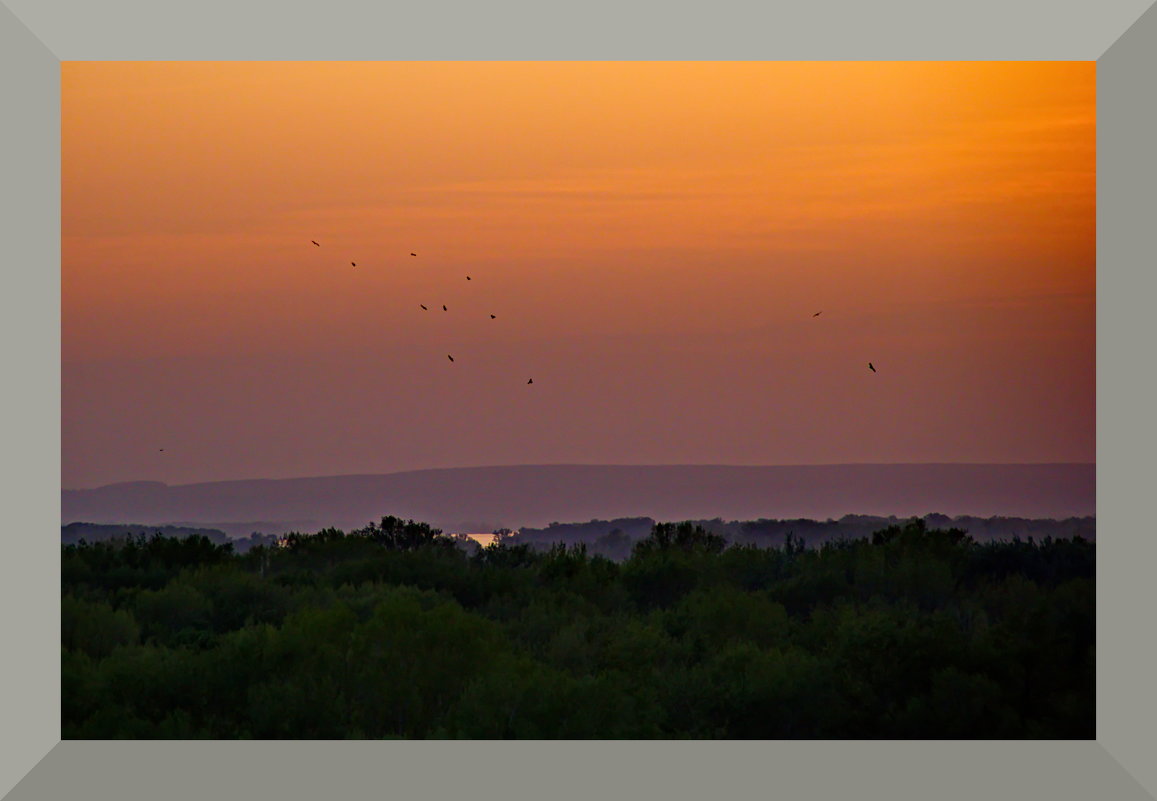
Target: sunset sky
{"points": [[654, 239]]}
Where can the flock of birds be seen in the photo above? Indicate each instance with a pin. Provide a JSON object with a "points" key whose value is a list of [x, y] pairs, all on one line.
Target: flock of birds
{"points": [[423, 307], [354, 264]]}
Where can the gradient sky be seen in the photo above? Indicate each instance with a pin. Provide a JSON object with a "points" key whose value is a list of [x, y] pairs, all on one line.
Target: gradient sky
{"points": [[654, 238]]}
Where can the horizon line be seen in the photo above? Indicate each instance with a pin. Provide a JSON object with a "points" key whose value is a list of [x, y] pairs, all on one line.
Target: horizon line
{"points": [[581, 464]]}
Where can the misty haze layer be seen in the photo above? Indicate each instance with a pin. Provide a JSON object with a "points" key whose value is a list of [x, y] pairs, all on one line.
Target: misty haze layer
{"points": [[483, 498]]}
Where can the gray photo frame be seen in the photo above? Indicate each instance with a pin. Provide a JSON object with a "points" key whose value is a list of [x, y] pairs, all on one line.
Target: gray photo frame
{"points": [[35, 35]]}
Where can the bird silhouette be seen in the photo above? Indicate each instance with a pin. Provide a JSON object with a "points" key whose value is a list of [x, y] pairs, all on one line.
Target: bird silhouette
{"points": [[353, 264], [448, 356], [870, 367], [423, 307], [314, 241], [467, 278], [494, 317], [162, 450], [445, 309], [531, 381], [817, 314], [413, 254]]}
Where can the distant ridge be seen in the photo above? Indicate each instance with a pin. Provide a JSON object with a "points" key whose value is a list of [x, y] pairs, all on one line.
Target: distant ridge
{"points": [[481, 498]]}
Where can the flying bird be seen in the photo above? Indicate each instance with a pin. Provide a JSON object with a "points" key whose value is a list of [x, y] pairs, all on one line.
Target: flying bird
{"points": [[413, 254], [467, 278], [817, 314], [494, 317], [531, 381], [162, 450], [423, 307], [448, 356], [870, 367], [353, 264], [444, 309], [314, 241]]}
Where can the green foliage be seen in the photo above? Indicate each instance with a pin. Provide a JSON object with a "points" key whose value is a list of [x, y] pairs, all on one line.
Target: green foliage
{"points": [[173, 613], [404, 535], [95, 628], [686, 537], [394, 631]]}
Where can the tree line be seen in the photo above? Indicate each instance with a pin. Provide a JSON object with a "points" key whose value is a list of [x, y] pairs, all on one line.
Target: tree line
{"points": [[395, 631]]}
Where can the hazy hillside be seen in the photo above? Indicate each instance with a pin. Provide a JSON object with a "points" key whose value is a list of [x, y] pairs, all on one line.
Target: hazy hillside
{"points": [[241, 540], [612, 538], [98, 532], [484, 498]]}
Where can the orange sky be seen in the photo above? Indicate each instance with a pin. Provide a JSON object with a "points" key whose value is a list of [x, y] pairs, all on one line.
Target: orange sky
{"points": [[654, 238]]}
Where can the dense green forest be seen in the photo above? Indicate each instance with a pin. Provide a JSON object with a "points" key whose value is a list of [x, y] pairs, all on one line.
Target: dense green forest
{"points": [[395, 631]]}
